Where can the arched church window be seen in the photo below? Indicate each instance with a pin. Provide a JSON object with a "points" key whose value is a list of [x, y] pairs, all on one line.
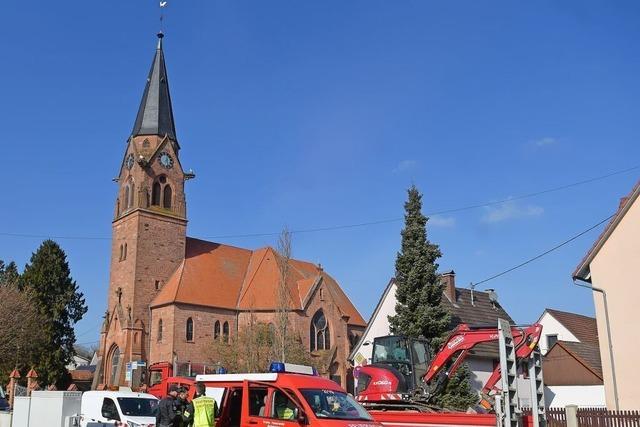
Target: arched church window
{"points": [[155, 194], [216, 330], [159, 330], [124, 254], [189, 329], [319, 336], [115, 361], [166, 197], [225, 332]]}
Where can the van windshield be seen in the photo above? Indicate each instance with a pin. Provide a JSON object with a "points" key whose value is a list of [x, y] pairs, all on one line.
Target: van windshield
{"points": [[138, 406], [334, 404]]}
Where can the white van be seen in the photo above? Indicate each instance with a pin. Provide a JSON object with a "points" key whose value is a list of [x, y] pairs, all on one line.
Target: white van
{"points": [[118, 408]]}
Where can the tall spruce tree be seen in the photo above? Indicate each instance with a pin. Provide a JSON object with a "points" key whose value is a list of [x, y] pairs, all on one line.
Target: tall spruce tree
{"points": [[418, 297], [9, 274], [60, 305], [419, 288]]}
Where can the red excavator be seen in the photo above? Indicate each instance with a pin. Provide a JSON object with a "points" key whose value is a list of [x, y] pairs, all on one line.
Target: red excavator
{"points": [[403, 375]]}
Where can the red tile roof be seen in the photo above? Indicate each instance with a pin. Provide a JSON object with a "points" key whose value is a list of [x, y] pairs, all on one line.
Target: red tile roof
{"points": [[584, 328], [223, 276], [582, 269]]}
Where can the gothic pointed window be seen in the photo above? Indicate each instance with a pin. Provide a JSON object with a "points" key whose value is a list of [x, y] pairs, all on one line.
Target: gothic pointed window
{"points": [[225, 332], [189, 329], [166, 197], [159, 330], [216, 330], [155, 194], [132, 194], [113, 365], [319, 336], [127, 194]]}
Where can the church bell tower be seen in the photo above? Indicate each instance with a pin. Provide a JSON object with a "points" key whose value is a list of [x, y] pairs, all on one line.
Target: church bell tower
{"points": [[149, 226]]}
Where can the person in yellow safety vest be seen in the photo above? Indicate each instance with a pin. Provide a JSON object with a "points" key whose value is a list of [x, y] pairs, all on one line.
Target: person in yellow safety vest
{"points": [[283, 407], [202, 410]]}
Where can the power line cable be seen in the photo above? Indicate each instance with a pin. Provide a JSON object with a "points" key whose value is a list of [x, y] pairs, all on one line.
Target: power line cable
{"points": [[361, 224], [548, 251], [439, 212]]}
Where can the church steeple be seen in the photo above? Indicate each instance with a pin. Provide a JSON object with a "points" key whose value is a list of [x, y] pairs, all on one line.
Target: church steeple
{"points": [[155, 115]]}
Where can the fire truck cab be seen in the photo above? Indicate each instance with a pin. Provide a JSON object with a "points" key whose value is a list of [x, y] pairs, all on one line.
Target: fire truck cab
{"points": [[287, 396]]}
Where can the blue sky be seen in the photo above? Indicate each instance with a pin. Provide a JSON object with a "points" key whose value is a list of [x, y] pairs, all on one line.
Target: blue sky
{"points": [[321, 113]]}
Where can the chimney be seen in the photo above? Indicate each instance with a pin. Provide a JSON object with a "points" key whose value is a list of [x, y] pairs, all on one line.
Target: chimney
{"points": [[449, 281]]}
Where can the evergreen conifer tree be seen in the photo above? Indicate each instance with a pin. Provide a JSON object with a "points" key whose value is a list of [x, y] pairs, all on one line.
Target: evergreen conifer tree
{"points": [[418, 297], [9, 274], [457, 393], [419, 289], [59, 304]]}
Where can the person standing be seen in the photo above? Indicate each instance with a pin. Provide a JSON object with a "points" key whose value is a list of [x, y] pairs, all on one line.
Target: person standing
{"points": [[202, 408], [167, 409], [181, 407]]}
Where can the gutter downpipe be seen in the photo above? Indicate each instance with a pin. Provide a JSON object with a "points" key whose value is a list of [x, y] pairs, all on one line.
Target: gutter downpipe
{"points": [[606, 317]]}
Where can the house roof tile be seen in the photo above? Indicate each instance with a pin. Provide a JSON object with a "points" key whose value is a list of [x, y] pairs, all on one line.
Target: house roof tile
{"points": [[481, 312], [584, 328]]}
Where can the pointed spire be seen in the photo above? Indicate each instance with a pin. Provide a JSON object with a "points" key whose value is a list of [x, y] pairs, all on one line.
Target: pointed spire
{"points": [[155, 115]]}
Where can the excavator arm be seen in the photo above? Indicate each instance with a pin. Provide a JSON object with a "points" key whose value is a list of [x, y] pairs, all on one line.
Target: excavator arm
{"points": [[462, 340]]}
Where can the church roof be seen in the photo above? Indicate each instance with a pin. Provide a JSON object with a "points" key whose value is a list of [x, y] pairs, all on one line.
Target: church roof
{"points": [[223, 276], [155, 115]]}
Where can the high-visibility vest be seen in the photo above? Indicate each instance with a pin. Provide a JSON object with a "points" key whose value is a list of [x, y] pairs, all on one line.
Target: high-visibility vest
{"points": [[285, 413], [204, 411]]}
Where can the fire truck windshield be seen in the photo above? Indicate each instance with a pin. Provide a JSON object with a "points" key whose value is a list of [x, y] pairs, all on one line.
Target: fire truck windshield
{"points": [[334, 404]]}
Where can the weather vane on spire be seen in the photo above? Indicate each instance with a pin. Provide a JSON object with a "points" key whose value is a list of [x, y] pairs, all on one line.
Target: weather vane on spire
{"points": [[163, 4]]}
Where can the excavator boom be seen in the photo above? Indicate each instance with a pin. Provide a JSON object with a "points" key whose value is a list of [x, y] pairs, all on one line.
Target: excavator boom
{"points": [[387, 382]]}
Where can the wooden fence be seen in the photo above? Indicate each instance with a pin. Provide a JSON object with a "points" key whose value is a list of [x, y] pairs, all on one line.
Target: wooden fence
{"points": [[593, 417], [556, 417], [600, 417]]}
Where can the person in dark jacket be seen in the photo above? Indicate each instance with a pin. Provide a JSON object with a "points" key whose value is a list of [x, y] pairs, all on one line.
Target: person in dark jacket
{"points": [[182, 403], [167, 409]]}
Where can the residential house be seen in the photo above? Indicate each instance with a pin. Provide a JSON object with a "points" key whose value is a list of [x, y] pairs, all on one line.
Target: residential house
{"points": [[610, 268], [466, 306], [571, 364]]}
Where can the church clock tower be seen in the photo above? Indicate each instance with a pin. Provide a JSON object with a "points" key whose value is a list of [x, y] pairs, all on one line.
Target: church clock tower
{"points": [[149, 227]]}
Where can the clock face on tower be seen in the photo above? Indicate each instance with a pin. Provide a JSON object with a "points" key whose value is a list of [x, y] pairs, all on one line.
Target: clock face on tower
{"points": [[129, 161], [165, 160]]}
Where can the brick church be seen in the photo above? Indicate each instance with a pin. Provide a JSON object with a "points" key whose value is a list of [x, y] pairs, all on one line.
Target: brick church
{"points": [[170, 295]]}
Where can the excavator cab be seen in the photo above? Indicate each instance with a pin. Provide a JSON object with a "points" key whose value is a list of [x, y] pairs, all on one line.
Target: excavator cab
{"points": [[408, 357]]}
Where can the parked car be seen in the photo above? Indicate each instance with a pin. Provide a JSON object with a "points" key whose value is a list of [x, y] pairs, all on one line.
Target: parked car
{"points": [[4, 403], [125, 408]]}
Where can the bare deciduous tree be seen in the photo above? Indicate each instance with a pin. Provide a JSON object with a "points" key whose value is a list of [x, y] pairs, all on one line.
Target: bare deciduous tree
{"points": [[282, 332], [20, 330]]}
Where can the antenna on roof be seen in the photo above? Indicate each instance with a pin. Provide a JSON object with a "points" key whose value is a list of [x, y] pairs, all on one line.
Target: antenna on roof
{"points": [[472, 286]]}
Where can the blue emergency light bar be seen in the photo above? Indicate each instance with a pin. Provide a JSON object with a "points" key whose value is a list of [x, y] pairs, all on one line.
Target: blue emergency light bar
{"points": [[292, 368]]}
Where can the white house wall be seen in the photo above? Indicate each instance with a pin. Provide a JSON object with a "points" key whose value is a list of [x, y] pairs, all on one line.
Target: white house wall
{"points": [[379, 327], [550, 326], [559, 396], [481, 369]]}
